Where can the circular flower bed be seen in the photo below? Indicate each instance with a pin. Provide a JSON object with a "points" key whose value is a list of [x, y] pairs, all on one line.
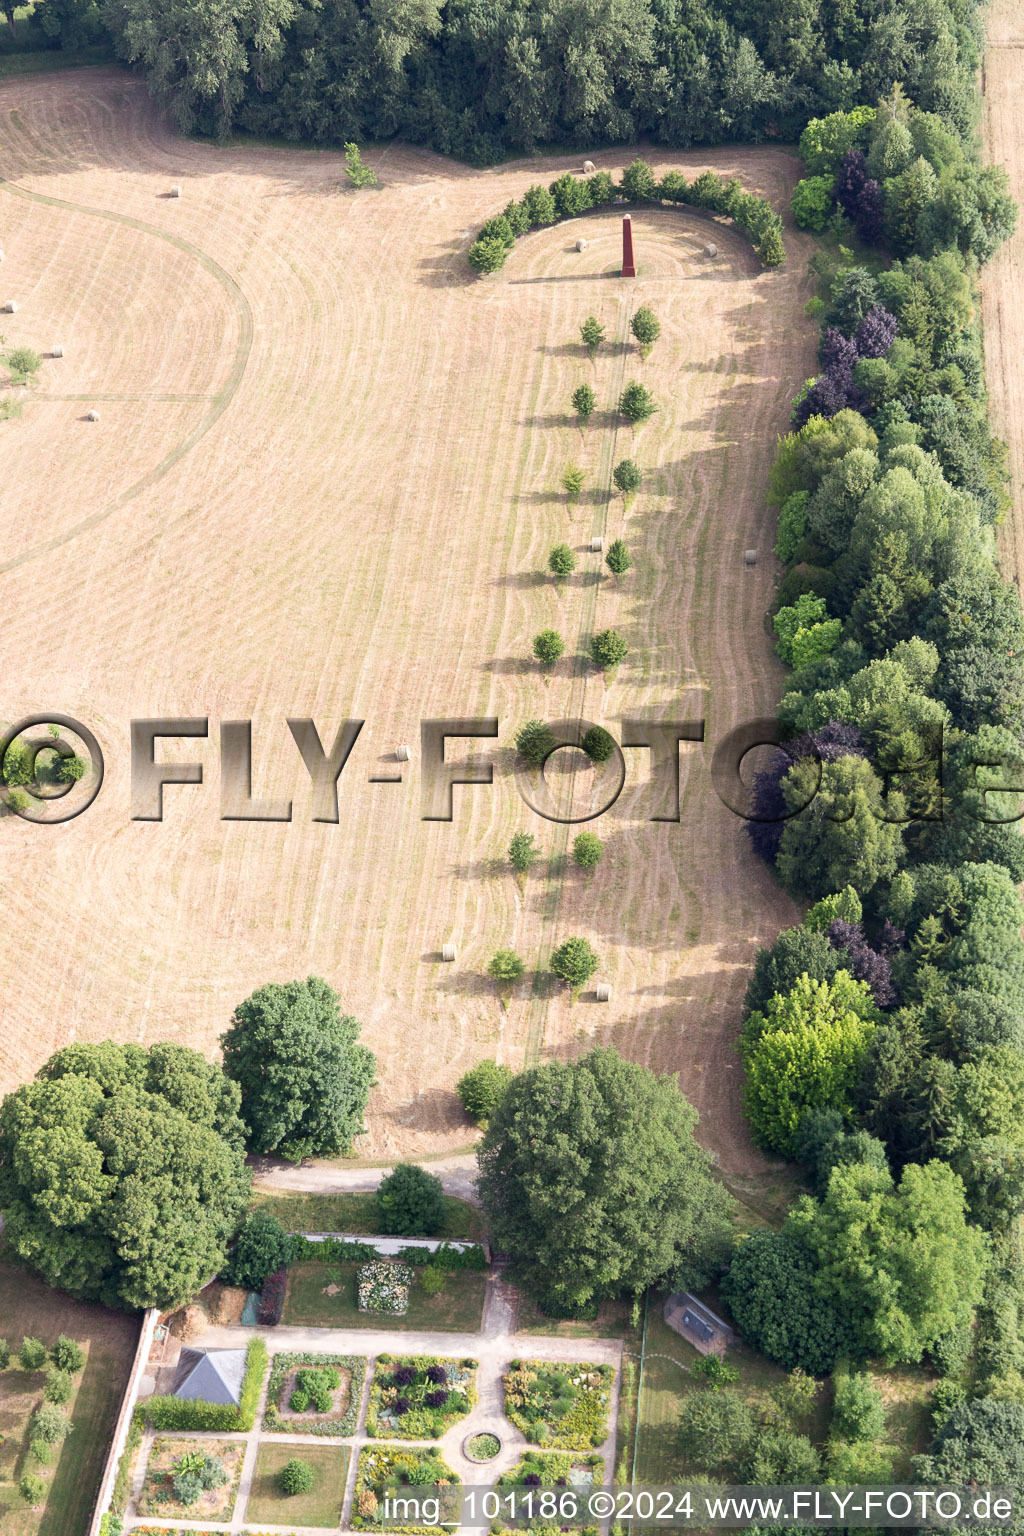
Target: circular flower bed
{"points": [[483, 1447]]}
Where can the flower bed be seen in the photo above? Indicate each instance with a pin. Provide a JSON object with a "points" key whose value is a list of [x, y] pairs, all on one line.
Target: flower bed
{"points": [[564, 1406], [384, 1470], [383, 1286], [337, 1419], [418, 1397], [554, 1469], [168, 1457], [482, 1447]]}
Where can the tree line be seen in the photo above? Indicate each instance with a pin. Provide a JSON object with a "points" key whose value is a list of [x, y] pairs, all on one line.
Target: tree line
{"points": [[480, 80]]}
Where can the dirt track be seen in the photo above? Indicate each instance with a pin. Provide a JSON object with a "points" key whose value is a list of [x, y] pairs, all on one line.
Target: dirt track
{"points": [[324, 483], [1003, 281]]}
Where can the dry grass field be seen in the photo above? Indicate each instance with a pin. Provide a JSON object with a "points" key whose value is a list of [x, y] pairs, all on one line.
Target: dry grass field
{"points": [[325, 482], [1003, 281]]}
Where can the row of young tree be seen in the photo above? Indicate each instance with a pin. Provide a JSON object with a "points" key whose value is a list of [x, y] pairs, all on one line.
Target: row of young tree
{"points": [[884, 1040], [479, 80]]}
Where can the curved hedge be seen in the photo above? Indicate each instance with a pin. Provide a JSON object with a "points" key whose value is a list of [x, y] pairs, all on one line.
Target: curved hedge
{"points": [[571, 195]]}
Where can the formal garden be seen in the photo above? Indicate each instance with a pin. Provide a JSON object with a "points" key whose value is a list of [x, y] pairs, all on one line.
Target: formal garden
{"points": [[384, 1471], [564, 1406], [314, 1394], [191, 1479], [554, 1469], [304, 1486], [419, 1397]]}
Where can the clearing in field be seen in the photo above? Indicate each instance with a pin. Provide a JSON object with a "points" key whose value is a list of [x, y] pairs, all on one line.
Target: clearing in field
{"points": [[325, 482]]}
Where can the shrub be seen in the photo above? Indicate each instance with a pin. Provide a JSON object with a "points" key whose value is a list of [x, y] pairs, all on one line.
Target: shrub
{"points": [[488, 255], [32, 1353], [410, 1202], [573, 479], [32, 1488], [23, 361], [66, 1354], [521, 852], [5, 1354], [482, 1088], [535, 741], [811, 203], [436, 1399], [587, 850], [639, 183], [598, 744], [359, 175], [608, 648], [296, 1476], [506, 966], [627, 477], [299, 1400], [583, 402], [272, 1296], [437, 1374], [858, 1413], [59, 1385], [433, 1280], [617, 558], [592, 333], [645, 328], [561, 561], [261, 1248], [41, 1452], [637, 404], [50, 1424], [574, 962], [548, 647]]}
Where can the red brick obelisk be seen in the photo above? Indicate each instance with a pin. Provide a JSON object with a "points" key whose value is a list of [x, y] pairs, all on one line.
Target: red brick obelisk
{"points": [[628, 267]]}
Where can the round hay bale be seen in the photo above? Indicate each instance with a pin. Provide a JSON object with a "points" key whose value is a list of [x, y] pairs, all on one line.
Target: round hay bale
{"points": [[750, 557], [189, 1323], [711, 251], [448, 952], [596, 545], [174, 192], [604, 992], [11, 307], [581, 245], [589, 167], [403, 754], [57, 350], [92, 415]]}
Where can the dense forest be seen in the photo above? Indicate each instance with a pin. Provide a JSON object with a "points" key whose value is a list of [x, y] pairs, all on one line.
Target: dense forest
{"points": [[482, 78]]}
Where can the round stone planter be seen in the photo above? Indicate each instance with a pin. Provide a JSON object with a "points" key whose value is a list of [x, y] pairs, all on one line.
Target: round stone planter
{"points": [[481, 1447]]}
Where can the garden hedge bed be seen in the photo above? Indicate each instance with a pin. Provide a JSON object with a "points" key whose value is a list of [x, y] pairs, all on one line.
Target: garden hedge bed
{"points": [[419, 1397], [315, 1423], [386, 1470], [563, 1405]]}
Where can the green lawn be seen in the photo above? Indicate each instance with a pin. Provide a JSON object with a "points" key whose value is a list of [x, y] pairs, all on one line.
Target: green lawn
{"points": [[322, 1506], [613, 1322], [358, 1213], [458, 1308], [27, 1306]]}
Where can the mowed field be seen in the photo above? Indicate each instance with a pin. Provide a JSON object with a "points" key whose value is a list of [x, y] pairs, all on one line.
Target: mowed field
{"points": [[325, 483], [1003, 279]]}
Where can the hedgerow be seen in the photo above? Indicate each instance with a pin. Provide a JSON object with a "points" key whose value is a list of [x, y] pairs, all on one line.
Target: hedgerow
{"points": [[175, 1413], [571, 195], [888, 807]]}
